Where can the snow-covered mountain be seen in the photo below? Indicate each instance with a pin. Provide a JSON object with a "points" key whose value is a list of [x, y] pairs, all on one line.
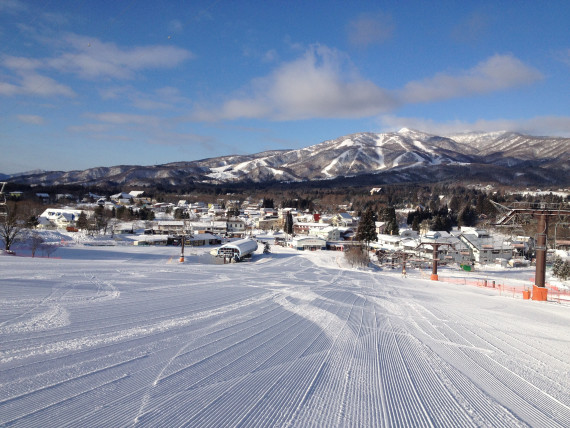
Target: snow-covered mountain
{"points": [[406, 155]]}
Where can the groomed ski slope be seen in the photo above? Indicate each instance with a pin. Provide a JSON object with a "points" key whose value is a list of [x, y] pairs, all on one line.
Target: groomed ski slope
{"points": [[127, 336]]}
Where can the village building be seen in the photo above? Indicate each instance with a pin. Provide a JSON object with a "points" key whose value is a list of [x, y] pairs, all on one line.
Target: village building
{"points": [[380, 226], [308, 243], [123, 198], [271, 223], [329, 233], [304, 228], [344, 219], [483, 247], [43, 197], [235, 228], [60, 217], [202, 239], [175, 227]]}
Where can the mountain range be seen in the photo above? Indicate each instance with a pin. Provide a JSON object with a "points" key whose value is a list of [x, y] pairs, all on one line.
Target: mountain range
{"points": [[403, 156]]}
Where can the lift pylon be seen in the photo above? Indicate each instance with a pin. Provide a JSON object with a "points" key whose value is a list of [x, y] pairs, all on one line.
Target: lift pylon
{"points": [[3, 208], [542, 212]]}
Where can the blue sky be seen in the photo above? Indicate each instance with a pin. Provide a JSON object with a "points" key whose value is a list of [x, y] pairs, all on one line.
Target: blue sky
{"points": [[102, 83]]}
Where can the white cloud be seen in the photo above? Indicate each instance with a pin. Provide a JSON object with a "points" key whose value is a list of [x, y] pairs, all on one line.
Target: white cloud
{"points": [[8, 89], [270, 56], [564, 56], [175, 26], [472, 28], [92, 58], [369, 29], [165, 98], [540, 125], [496, 73], [30, 83], [125, 119], [322, 83], [35, 84], [31, 119], [12, 6], [20, 64]]}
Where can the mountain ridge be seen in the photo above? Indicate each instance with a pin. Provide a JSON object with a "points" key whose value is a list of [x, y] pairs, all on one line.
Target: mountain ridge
{"points": [[420, 155]]}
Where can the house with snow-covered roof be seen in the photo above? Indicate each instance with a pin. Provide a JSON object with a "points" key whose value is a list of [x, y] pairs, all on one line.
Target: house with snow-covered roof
{"points": [[60, 217], [343, 219], [122, 198], [485, 248]]}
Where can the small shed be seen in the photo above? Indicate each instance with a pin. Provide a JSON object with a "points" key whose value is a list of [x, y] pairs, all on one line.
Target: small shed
{"points": [[238, 249]]}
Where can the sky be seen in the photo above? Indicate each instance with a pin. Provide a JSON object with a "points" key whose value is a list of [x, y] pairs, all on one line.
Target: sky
{"points": [[101, 83]]}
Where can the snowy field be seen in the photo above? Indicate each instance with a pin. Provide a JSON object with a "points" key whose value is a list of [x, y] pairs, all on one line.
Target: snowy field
{"points": [[127, 336]]}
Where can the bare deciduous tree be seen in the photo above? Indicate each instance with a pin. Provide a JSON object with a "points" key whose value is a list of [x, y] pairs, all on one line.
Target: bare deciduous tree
{"points": [[356, 256], [36, 242], [49, 249]]}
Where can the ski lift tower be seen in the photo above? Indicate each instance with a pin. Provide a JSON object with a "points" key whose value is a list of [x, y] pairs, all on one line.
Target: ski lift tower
{"points": [[543, 212], [3, 208], [435, 247]]}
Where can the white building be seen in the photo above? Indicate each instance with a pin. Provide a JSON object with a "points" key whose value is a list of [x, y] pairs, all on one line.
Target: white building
{"points": [[308, 243], [235, 228], [304, 228], [60, 217], [329, 233]]}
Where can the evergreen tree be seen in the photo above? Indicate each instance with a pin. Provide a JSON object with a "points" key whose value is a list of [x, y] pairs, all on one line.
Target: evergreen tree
{"points": [[416, 224], [82, 222], [288, 227], [366, 231], [438, 224], [455, 204], [565, 271], [556, 266], [389, 216], [467, 216]]}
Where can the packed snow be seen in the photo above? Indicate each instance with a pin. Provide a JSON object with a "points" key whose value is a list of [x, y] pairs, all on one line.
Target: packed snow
{"points": [[129, 336]]}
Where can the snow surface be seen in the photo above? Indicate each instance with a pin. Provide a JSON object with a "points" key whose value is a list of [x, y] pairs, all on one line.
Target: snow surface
{"points": [[127, 336]]}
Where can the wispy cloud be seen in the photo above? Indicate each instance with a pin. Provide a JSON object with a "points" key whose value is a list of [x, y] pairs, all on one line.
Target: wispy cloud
{"points": [[496, 73], [91, 58], [31, 119], [125, 119], [31, 83], [12, 6], [472, 28], [165, 98], [88, 59], [564, 56], [370, 29], [541, 125]]}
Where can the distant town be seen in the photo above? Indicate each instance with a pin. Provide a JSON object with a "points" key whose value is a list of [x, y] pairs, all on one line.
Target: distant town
{"points": [[464, 234]]}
